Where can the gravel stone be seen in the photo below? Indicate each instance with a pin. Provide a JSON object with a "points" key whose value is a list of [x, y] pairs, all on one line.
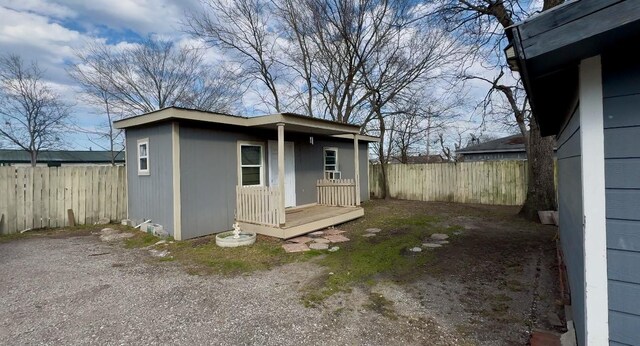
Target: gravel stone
{"points": [[115, 237], [373, 230], [416, 249], [368, 235], [123, 299], [431, 245]]}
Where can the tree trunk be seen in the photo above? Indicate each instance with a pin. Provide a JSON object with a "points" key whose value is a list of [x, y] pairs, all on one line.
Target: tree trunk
{"points": [[541, 192], [34, 157]]}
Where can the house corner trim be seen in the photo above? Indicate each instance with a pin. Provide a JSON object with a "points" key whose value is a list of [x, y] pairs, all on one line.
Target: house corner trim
{"points": [[175, 155], [594, 203]]}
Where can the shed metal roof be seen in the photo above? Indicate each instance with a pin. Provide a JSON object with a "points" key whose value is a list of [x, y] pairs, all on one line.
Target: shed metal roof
{"points": [[293, 122]]}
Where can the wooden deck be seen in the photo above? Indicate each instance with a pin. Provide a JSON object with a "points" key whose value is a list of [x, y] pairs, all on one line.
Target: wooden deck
{"points": [[306, 219]]}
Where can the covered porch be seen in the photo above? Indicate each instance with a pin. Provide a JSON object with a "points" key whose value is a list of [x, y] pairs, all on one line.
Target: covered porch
{"points": [[262, 209]]}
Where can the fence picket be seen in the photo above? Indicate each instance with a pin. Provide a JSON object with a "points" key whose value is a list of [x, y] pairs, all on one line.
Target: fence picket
{"points": [[39, 197], [489, 182]]}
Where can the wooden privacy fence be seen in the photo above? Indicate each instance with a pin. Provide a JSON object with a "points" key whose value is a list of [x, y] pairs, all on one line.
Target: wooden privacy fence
{"points": [[336, 192], [37, 197], [258, 204], [490, 182]]}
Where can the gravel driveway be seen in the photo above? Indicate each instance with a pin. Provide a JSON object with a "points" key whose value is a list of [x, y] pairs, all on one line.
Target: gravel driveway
{"points": [[78, 290]]}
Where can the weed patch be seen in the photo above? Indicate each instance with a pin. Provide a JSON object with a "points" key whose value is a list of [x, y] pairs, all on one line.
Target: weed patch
{"points": [[380, 304]]}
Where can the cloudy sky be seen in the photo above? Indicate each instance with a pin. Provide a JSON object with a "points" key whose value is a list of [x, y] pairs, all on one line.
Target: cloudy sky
{"points": [[49, 31]]}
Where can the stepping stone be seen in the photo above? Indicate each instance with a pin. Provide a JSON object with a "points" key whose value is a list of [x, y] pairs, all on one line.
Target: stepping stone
{"points": [[108, 231], [431, 245], [318, 246], [333, 231], [321, 241], [338, 238], [415, 249], [373, 230], [334, 249], [295, 247], [300, 240], [369, 235], [441, 242], [457, 233], [439, 236], [316, 234]]}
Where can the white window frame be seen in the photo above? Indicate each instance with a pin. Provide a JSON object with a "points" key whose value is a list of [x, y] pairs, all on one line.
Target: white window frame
{"points": [[262, 160], [330, 174], [143, 141]]}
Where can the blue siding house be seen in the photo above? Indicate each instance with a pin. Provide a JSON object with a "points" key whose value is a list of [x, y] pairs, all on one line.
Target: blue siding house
{"points": [[579, 66]]}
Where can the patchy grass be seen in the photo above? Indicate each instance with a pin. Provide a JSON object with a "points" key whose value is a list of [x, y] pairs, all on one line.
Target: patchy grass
{"points": [[363, 261], [140, 239], [62, 232], [380, 304], [201, 256]]}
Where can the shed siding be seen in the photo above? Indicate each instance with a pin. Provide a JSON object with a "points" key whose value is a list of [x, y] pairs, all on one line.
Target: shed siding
{"points": [[151, 196], [208, 166], [621, 88], [310, 166], [208, 174], [570, 208]]}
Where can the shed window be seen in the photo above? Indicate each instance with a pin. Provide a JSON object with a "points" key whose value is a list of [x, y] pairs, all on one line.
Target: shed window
{"points": [[143, 156], [251, 164], [331, 163]]}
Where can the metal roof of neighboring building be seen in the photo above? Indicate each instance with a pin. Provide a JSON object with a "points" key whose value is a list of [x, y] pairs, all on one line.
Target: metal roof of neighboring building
{"points": [[504, 144], [60, 156]]}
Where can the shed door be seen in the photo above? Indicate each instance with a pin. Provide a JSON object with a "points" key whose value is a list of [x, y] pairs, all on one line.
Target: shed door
{"points": [[289, 171]]}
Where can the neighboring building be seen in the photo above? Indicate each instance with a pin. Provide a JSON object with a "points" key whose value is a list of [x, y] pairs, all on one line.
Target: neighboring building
{"points": [[282, 175], [57, 158], [412, 159], [505, 148], [417, 159], [582, 76]]}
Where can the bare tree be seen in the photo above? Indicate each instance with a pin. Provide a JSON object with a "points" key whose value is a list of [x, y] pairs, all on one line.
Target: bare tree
{"points": [[482, 22], [33, 116], [142, 78], [240, 27], [152, 75], [404, 58], [95, 87]]}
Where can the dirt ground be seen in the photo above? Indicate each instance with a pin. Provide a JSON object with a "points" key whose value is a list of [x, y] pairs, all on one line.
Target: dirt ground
{"points": [[491, 285]]}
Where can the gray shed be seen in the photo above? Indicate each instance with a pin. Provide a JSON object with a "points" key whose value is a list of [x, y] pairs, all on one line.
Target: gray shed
{"points": [[583, 81], [196, 173]]}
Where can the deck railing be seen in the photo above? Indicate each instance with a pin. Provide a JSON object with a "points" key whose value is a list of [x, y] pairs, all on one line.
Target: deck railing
{"points": [[337, 192], [258, 204]]}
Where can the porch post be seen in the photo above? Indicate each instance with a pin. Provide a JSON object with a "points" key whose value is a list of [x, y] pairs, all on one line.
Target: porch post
{"points": [[281, 172], [356, 165]]}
